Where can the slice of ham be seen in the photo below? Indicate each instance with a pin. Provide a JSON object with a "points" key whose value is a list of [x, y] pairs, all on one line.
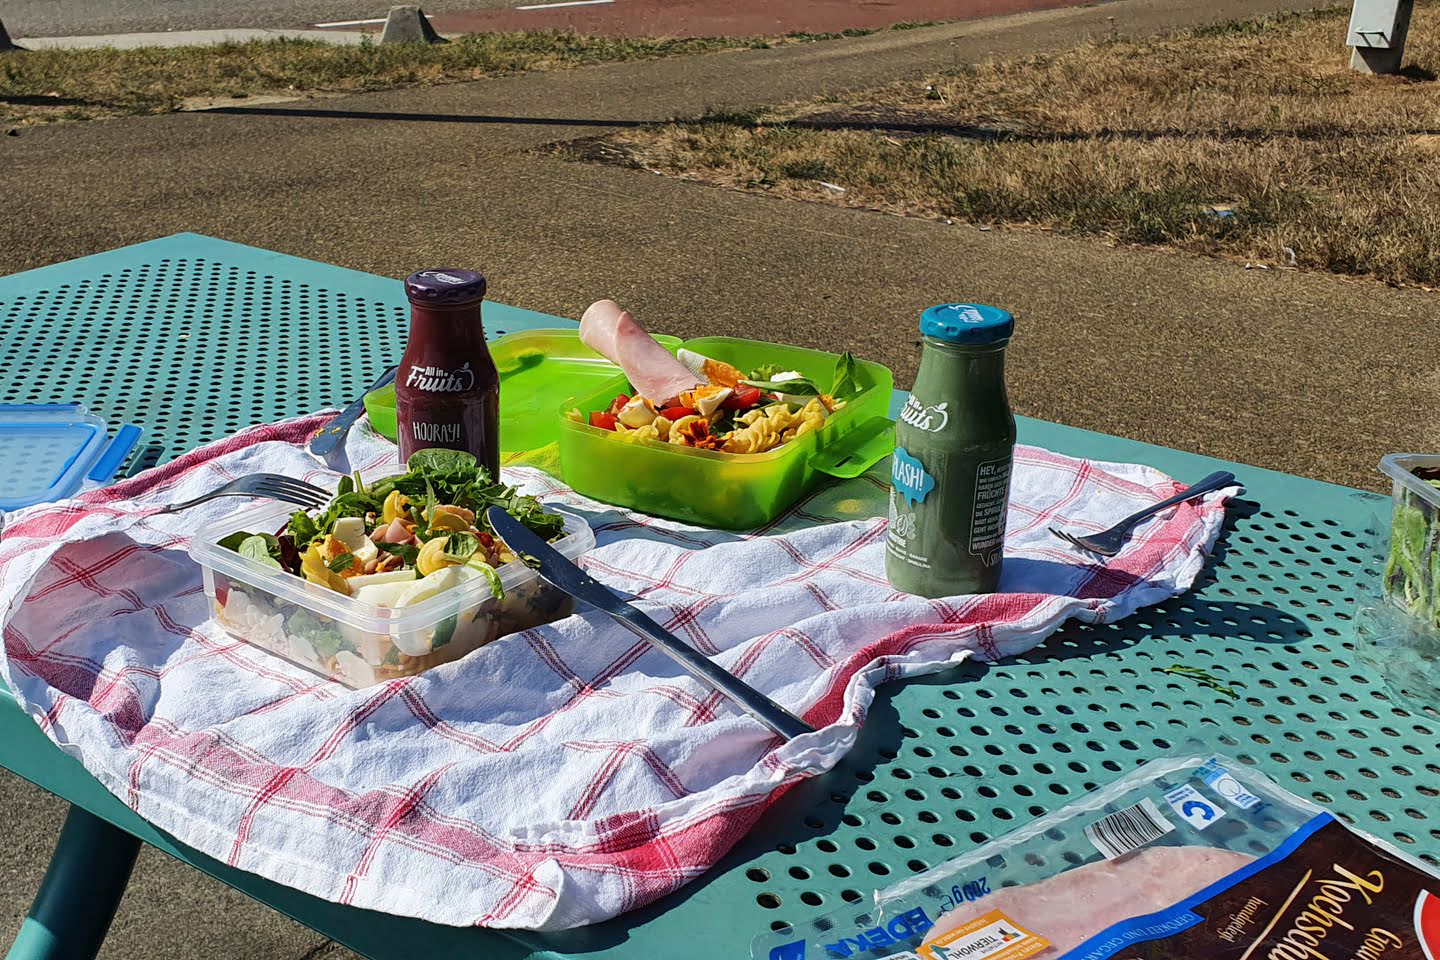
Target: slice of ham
{"points": [[395, 533], [653, 371], [1071, 907]]}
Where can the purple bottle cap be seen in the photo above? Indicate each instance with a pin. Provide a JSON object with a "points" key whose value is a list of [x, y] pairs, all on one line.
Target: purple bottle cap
{"points": [[450, 287]]}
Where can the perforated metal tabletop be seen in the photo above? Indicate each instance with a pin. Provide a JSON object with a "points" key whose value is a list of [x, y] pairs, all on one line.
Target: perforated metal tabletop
{"points": [[153, 333]]}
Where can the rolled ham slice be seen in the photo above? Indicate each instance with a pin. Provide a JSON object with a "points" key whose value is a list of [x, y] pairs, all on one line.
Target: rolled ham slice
{"points": [[395, 533], [653, 371]]}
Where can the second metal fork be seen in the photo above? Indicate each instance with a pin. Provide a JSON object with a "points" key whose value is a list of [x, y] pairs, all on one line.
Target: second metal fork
{"points": [[271, 486], [1107, 543]]}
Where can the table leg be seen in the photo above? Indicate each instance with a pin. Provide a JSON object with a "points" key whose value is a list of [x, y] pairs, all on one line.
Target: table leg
{"points": [[81, 891]]}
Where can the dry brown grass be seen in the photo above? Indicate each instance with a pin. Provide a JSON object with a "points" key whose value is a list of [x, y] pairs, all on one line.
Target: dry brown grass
{"points": [[1138, 140], [46, 86]]}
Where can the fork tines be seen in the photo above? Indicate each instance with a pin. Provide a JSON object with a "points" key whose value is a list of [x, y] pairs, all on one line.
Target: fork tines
{"points": [[292, 489], [1068, 538]]}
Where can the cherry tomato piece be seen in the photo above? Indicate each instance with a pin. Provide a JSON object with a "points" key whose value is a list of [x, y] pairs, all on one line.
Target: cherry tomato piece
{"points": [[742, 399]]}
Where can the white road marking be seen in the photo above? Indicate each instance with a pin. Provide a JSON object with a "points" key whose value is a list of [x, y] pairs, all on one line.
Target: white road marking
{"points": [[565, 3], [352, 23]]}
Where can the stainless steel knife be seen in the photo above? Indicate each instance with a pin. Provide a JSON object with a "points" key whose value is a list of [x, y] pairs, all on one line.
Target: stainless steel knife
{"points": [[579, 584], [333, 433]]}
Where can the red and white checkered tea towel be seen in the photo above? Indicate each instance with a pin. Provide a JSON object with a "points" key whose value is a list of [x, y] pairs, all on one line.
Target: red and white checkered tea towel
{"points": [[556, 777]]}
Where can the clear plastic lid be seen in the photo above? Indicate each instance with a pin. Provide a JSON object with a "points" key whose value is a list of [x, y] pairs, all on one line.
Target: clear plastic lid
{"points": [[47, 448]]}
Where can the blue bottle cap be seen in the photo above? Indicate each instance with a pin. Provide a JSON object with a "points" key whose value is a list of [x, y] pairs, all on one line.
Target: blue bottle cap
{"points": [[967, 323], [448, 287]]}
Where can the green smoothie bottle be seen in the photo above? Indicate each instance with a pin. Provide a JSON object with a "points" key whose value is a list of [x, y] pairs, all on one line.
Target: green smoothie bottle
{"points": [[950, 478]]}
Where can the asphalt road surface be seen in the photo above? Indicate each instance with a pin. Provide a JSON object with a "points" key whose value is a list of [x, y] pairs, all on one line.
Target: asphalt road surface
{"points": [[63, 18]]}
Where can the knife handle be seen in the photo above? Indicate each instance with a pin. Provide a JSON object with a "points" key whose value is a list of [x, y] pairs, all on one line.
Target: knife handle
{"points": [[333, 432]]}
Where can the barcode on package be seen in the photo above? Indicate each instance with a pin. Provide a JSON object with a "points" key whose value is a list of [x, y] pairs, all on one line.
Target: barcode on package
{"points": [[1130, 829]]}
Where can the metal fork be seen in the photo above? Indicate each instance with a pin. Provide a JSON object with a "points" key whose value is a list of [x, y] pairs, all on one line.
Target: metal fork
{"points": [[272, 486], [1108, 542]]}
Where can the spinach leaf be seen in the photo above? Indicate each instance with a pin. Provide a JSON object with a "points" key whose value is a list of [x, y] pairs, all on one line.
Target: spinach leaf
{"points": [[322, 635], [407, 552], [847, 382], [255, 548], [795, 388], [302, 529], [443, 465], [349, 504], [346, 485], [233, 541], [460, 547]]}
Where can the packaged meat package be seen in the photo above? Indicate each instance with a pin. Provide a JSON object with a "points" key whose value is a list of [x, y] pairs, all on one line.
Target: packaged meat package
{"points": [[1191, 855]]}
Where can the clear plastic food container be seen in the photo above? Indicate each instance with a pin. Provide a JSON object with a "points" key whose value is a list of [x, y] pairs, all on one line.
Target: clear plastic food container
{"points": [[1412, 570], [355, 643]]}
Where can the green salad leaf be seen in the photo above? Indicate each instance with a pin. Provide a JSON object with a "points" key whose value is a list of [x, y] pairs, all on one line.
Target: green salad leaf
{"points": [[491, 574], [407, 552], [847, 377], [349, 504], [341, 563], [460, 547], [302, 529], [322, 635], [432, 477], [1201, 676], [233, 541], [454, 466], [767, 372], [795, 388], [258, 549]]}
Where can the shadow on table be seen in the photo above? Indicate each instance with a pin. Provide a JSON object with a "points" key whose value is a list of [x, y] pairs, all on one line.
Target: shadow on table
{"points": [[808, 813]]}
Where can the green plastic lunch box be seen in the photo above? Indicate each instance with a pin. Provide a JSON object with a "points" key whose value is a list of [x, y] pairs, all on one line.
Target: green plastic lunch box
{"points": [[726, 490]]}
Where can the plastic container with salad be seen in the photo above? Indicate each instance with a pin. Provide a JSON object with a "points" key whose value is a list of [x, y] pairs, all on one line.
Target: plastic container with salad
{"points": [[724, 432], [399, 573]]}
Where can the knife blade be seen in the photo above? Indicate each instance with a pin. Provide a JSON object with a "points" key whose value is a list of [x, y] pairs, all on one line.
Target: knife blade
{"points": [[570, 578], [330, 436]]}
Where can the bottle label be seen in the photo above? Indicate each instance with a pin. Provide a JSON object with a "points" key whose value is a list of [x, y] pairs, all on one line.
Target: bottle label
{"points": [[910, 478], [441, 434], [904, 527], [931, 419], [992, 496], [440, 380]]}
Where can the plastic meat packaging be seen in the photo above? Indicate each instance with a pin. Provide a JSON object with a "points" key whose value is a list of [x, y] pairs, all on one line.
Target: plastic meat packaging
{"points": [[1193, 855]]}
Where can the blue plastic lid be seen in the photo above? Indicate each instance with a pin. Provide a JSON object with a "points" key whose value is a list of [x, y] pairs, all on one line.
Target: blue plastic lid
{"points": [[967, 323], [46, 450]]}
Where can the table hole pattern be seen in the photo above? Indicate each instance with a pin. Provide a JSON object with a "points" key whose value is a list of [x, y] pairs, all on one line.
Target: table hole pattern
{"points": [[976, 752], [1026, 736], [127, 342]]}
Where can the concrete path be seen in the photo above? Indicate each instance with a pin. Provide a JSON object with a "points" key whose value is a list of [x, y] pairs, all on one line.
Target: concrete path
{"points": [[1301, 372], [49, 18], [730, 18]]}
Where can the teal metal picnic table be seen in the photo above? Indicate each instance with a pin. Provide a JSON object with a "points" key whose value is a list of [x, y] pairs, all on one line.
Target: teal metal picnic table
{"points": [[194, 338]]}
